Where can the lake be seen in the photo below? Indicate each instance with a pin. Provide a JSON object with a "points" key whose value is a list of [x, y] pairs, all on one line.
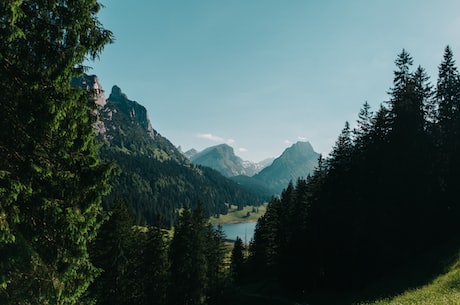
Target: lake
{"points": [[245, 230]]}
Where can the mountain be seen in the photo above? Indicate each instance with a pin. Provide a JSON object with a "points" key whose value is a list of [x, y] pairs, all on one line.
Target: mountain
{"points": [[268, 177], [296, 161], [156, 179], [190, 153], [223, 159]]}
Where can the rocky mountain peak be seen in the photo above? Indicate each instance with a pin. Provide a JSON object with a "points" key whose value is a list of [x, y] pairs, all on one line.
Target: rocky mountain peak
{"points": [[127, 108], [91, 84], [117, 94]]}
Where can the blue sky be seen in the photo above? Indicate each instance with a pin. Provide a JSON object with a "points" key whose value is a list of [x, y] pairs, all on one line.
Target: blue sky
{"points": [[263, 74]]}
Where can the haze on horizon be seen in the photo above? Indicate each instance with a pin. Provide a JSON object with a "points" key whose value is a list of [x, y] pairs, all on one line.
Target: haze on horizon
{"points": [[261, 75]]}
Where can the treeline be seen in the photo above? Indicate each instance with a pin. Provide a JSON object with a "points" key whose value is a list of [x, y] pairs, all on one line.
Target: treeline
{"points": [[146, 265], [387, 192], [156, 189]]}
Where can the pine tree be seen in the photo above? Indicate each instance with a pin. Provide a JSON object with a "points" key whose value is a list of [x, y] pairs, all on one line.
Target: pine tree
{"points": [[341, 152], [188, 259], [364, 126], [447, 92], [237, 259], [155, 267], [447, 98], [51, 179], [217, 271], [111, 252]]}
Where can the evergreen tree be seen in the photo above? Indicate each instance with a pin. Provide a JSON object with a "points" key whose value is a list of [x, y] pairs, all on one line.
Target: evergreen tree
{"points": [[217, 273], [51, 179], [111, 253], [237, 259], [447, 93], [188, 260], [342, 150], [364, 126], [448, 135], [155, 267]]}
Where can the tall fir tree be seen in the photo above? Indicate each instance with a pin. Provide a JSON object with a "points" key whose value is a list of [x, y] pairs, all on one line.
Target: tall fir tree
{"points": [[111, 252], [448, 134], [51, 179], [155, 267], [237, 260], [188, 260]]}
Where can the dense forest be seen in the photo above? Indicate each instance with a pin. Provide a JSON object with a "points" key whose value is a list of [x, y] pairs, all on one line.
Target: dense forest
{"points": [[387, 192]]}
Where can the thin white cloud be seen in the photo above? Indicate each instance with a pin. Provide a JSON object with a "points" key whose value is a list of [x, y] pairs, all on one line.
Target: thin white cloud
{"points": [[300, 138], [215, 138], [211, 137], [287, 142], [242, 149]]}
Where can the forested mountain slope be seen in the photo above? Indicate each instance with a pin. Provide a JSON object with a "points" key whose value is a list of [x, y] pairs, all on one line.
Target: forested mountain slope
{"points": [[386, 195], [156, 178]]}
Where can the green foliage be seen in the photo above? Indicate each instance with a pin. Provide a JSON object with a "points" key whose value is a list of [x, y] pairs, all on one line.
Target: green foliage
{"points": [[156, 189], [386, 194], [197, 256], [237, 260], [51, 179], [156, 179], [134, 262]]}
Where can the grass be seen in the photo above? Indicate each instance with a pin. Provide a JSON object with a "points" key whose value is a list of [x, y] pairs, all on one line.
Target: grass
{"points": [[247, 214], [443, 289]]}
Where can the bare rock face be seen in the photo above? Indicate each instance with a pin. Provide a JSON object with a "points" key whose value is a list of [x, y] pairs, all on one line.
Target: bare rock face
{"points": [[137, 114], [91, 84]]}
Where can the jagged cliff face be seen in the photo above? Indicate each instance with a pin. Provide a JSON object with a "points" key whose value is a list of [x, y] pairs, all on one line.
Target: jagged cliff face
{"points": [[124, 125], [124, 112], [127, 127], [91, 84]]}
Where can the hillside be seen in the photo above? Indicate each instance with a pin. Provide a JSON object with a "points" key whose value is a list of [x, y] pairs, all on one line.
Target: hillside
{"points": [[223, 159], [296, 161], [445, 290], [156, 178]]}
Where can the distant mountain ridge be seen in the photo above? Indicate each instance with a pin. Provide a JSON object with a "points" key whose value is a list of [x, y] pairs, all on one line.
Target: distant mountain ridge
{"points": [[223, 159], [297, 161]]}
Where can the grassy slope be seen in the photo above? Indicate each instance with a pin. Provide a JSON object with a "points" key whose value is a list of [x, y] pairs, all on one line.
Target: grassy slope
{"points": [[443, 290], [234, 215]]}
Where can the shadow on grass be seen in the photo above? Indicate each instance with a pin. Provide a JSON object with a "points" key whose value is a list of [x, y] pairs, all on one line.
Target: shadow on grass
{"points": [[420, 271]]}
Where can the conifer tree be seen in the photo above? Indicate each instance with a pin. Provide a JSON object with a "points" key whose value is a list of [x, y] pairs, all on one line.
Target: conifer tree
{"points": [[447, 98], [447, 93], [51, 179], [111, 252], [342, 150], [364, 126], [217, 271], [188, 260], [237, 259], [155, 267]]}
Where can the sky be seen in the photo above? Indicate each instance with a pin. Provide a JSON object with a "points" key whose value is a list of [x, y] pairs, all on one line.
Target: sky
{"points": [[261, 75]]}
